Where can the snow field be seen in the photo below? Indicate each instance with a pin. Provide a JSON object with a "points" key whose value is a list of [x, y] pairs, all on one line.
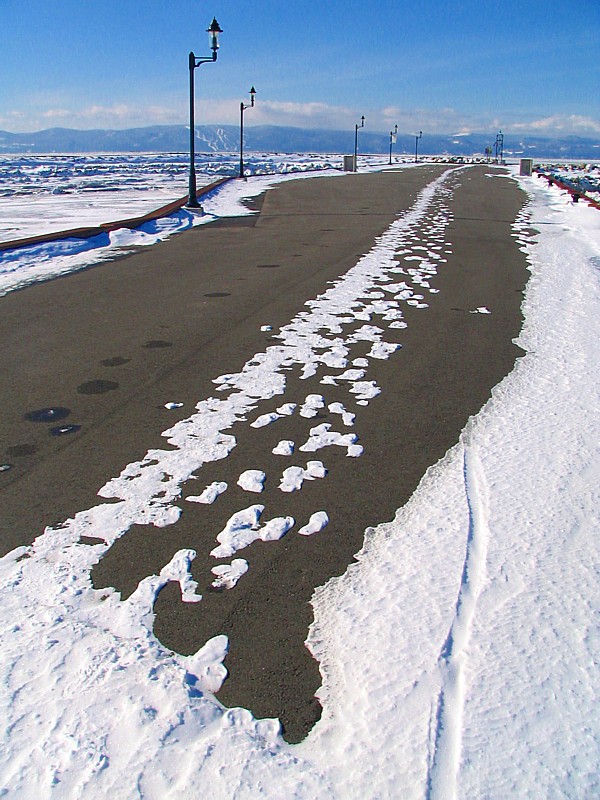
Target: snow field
{"points": [[458, 654]]}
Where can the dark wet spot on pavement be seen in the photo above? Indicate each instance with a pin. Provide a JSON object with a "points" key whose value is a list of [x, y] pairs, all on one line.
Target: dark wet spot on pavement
{"points": [[48, 414], [97, 387], [268, 266], [21, 450], [61, 430], [157, 343], [217, 294], [117, 361]]}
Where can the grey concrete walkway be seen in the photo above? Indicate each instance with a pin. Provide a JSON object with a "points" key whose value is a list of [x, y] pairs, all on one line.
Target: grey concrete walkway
{"points": [[114, 343]]}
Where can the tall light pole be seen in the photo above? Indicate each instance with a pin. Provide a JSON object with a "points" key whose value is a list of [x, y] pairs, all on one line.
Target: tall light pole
{"points": [[242, 109], [499, 146], [393, 135], [417, 146], [213, 36], [356, 127]]}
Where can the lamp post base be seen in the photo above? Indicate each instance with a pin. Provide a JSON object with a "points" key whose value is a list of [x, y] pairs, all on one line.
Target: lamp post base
{"points": [[193, 205]]}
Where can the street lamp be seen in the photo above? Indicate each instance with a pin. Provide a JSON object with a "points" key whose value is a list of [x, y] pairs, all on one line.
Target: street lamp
{"points": [[417, 145], [356, 127], [499, 146], [393, 135], [242, 109], [213, 36]]}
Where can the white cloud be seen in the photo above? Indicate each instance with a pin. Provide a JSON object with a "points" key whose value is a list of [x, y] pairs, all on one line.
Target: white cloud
{"points": [[301, 115], [94, 116], [557, 124]]}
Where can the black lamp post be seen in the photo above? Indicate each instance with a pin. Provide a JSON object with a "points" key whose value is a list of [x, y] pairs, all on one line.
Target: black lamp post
{"points": [[213, 36], [499, 146], [356, 127], [242, 109], [417, 146], [393, 135]]}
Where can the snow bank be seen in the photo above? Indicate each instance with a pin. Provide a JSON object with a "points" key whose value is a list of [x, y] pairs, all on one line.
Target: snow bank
{"points": [[458, 653]]}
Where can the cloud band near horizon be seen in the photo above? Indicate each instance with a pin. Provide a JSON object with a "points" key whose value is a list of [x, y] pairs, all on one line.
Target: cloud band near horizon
{"points": [[301, 115]]}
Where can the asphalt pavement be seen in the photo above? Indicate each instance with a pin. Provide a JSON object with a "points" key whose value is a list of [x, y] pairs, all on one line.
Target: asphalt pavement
{"points": [[112, 344]]}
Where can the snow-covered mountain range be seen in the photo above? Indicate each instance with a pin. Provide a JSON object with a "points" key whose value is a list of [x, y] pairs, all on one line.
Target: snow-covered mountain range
{"points": [[271, 138]]}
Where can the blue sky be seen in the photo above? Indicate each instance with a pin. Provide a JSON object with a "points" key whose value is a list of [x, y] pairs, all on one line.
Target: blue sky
{"points": [[531, 66]]}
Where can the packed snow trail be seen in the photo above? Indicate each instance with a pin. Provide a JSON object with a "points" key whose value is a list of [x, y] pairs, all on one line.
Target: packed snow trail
{"points": [[453, 657]]}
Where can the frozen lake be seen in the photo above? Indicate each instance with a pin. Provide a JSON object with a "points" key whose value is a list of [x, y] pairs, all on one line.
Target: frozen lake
{"points": [[48, 193]]}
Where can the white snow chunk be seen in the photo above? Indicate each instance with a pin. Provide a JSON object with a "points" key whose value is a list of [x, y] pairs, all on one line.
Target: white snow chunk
{"points": [[284, 448], [366, 333], [180, 567], [240, 531], [210, 494], [252, 480], [321, 437], [276, 528], [229, 574], [287, 409], [347, 416], [206, 666], [311, 405], [366, 390], [308, 370], [360, 362], [316, 523], [355, 450], [265, 419], [171, 406], [383, 350], [266, 327], [244, 527], [348, 375], [314, 470], [293, 477]]}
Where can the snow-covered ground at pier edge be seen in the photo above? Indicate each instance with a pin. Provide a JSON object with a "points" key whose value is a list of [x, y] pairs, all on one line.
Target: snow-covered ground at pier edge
{"points": [[459, 654]]}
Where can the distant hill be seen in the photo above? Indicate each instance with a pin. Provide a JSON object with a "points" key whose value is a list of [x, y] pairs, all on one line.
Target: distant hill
{"points": [[275, 139]]}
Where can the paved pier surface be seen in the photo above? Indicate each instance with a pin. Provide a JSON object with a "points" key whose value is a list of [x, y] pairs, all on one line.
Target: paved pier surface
{"points": [[114, 343]]}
